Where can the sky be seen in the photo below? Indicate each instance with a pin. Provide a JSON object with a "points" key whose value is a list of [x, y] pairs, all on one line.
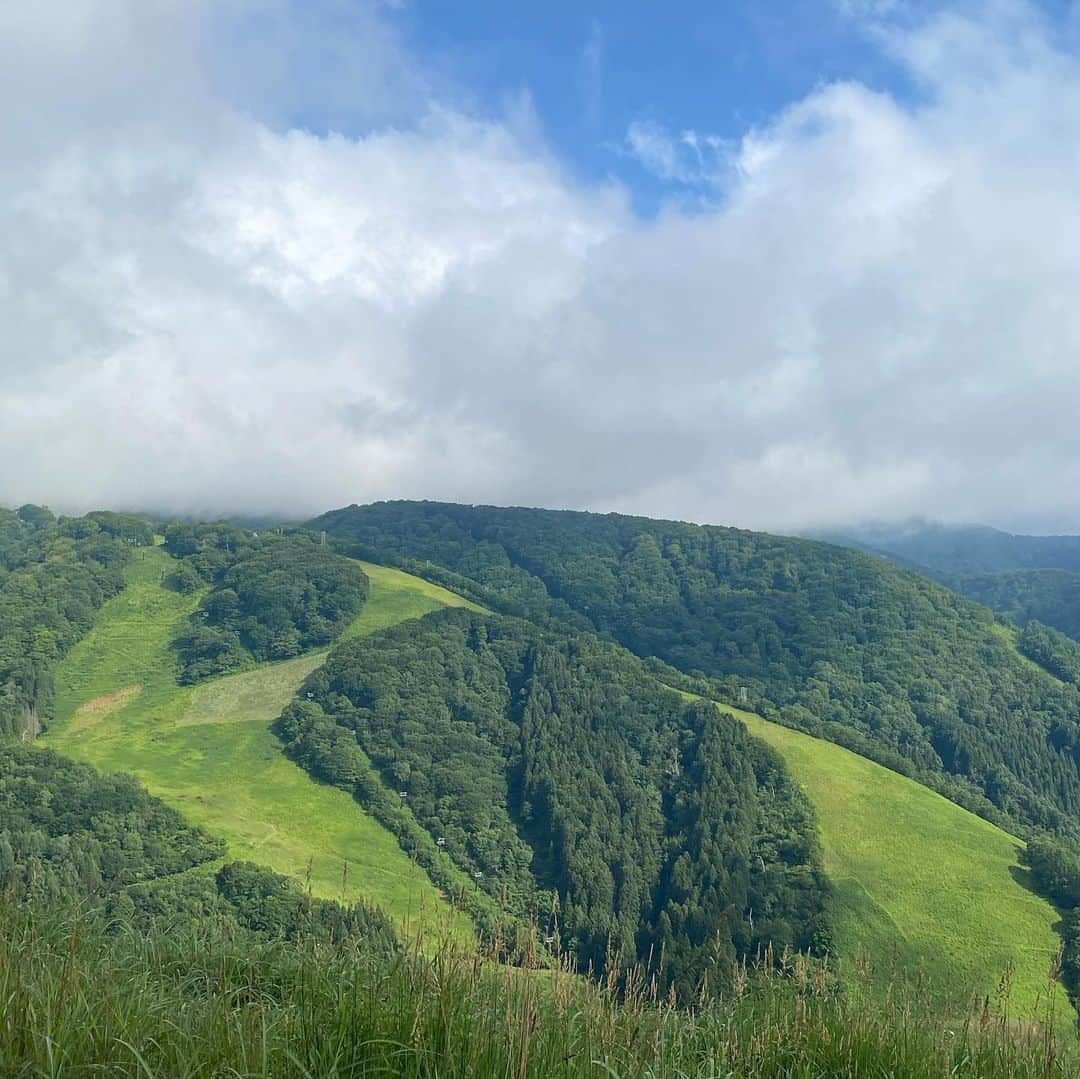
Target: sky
{"points": [[771, 263]]}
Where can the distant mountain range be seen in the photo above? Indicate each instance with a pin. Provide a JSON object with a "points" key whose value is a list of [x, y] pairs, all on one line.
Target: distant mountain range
{"points": [[960, 550], [1026, 578]]}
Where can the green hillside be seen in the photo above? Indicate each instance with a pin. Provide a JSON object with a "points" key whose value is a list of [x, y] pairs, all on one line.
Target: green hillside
{"points": [[208, 750], [54, 578], [826, 639], [551, 764], [920, 882]]}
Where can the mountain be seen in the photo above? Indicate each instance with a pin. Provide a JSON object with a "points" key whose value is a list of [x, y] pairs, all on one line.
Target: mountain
{"points": [[961, 550], [822, 638], [539, 740], [1025, 578], [208, 751]]}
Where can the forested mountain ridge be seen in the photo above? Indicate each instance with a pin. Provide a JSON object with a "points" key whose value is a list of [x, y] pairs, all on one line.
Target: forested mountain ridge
{"points": [[661, 826], [826, 639], [549, 765]]}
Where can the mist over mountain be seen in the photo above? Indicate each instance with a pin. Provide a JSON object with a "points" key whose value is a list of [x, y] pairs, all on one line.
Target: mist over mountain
{"points": [[1025, 578], [959, 550]]}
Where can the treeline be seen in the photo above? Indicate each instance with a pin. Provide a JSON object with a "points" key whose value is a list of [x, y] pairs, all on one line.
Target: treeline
{"points": [[572, 787], [1055, 871], [245, 899], [269, 596], [55, 574], [67, 830], [69, 835], [825, 639]]}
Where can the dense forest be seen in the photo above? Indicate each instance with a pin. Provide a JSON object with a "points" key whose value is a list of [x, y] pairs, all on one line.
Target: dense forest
{"points": [[567, 782], [269, 596], [830, 640], [54, 577]]}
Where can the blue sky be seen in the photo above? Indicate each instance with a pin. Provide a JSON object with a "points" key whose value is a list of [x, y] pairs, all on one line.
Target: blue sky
{"points": [[592, 70]]}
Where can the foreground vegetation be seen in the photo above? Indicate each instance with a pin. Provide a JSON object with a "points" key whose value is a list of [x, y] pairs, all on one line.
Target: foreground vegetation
{"points": [[195, 1003]]}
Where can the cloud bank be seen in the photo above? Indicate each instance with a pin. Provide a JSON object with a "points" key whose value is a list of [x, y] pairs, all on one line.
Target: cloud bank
{"points": [[205, 306]]}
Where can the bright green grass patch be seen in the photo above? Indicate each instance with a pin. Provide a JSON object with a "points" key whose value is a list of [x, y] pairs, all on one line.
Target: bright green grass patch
{"points": [[208, 750], [919, 881], [396, 596], [261, 694], [128, 645], [257, 695]]}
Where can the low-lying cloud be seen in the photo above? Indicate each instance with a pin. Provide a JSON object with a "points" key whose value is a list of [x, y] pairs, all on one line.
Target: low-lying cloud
{"points": [[206, 307]]}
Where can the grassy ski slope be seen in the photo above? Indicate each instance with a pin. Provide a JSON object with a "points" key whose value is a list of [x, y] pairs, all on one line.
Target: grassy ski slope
{"points": [[208, 750], [920, 882]]}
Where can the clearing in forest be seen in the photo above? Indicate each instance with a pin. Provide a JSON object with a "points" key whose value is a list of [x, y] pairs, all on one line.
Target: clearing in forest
{"points": [[208, 750]]}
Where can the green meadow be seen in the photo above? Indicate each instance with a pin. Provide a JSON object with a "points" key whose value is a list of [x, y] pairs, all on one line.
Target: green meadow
{"points": [[208, 750], [921, 883]]}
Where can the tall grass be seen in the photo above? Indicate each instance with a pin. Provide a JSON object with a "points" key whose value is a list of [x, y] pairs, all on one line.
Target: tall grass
{"points": [[79, 1001]]}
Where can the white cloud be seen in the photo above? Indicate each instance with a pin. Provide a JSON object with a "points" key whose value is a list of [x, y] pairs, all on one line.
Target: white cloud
{"points": [[205, 307], [689, 157]]}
